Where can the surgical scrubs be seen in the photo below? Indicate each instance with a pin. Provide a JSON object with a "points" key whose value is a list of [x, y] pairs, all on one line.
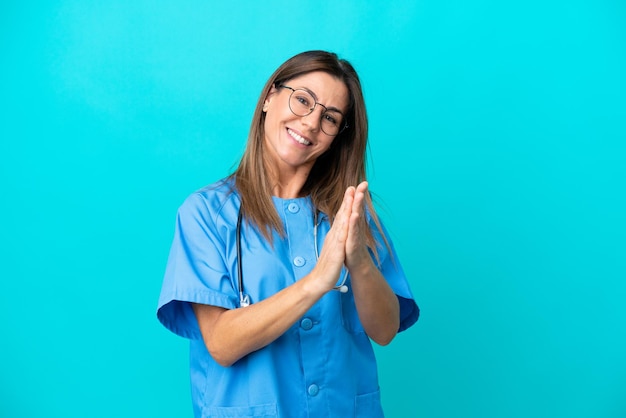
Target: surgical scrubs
{"points": [[323, 365]]}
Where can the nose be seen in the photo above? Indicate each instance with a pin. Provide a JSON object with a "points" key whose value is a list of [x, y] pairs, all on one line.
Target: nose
{"points": [[314, 119]]}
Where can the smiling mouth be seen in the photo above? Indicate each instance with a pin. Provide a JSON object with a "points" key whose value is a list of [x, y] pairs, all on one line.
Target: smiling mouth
{"points": [[299, 138]]}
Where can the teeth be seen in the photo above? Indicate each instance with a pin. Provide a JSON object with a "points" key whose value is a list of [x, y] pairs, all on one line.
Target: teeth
{"points": [[298, 138]]}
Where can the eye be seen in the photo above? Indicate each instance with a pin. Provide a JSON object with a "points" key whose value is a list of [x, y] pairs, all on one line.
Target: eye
{"points": [[330, 118], [303, 100]]}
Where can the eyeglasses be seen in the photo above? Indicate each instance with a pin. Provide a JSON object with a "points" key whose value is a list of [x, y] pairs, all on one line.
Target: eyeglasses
{"points": [[302, 103]]}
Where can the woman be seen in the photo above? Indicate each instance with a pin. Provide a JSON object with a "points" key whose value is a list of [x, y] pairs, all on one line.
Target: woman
{"points": [[282, 327]]}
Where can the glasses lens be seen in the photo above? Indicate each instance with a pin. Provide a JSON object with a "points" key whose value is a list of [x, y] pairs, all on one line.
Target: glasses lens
{"points": [[331, 122], [301, 103]]}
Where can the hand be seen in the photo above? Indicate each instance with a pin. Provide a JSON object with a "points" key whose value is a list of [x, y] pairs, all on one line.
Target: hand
{"points": [[356, 243], [333, 254]]}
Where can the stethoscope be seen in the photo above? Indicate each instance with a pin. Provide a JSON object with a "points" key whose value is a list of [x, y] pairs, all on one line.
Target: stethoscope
{"points": [[244, 299]]}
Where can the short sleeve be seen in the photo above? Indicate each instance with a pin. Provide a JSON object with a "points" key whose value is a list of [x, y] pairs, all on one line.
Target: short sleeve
{"points": [[391, 269], [196, 269]]}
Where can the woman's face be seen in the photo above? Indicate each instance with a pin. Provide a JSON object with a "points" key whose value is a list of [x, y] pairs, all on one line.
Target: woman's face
{"points": [[295, 142]]}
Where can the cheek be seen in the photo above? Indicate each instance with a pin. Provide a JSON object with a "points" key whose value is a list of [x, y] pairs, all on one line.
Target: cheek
{"points": [[269, 123], [272, 119]]}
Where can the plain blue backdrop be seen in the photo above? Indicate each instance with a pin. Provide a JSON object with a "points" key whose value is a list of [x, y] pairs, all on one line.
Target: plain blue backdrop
{"points": [[497, 158]]}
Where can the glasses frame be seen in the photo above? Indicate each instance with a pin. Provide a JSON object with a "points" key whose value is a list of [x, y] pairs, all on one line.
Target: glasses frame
{"points": [[311, 110]]}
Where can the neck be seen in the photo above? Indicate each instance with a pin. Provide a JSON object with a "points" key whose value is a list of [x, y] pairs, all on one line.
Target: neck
{"points": [[287, 182], [288, 188]]}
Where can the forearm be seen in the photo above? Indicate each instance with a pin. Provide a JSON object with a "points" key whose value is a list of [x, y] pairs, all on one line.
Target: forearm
{"points": [[376, 303], [232, 334]]}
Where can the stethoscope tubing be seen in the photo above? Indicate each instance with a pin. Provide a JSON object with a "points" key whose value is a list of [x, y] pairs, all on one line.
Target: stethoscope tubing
{"points": [[244, 300]]}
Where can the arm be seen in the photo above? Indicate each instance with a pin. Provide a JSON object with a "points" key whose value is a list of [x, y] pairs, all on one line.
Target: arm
{"points": [[376, 303], [231, 334]]}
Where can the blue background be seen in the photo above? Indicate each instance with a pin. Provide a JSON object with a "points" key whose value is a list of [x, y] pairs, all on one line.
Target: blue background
{"points": [[497, 157]]}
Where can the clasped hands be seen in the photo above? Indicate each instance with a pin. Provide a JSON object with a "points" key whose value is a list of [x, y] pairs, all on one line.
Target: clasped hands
{"points": [[345, 243]]}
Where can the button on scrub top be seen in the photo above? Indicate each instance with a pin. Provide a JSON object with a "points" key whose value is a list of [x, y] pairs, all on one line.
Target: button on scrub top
{"points": [[323, 366]]}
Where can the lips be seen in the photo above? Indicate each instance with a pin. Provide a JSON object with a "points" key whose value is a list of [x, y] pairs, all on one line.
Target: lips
{"points": [[298, 138]]}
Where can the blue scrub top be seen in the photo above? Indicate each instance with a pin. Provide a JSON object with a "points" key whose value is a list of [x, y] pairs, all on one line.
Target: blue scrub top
{"points": [[323, 366]]}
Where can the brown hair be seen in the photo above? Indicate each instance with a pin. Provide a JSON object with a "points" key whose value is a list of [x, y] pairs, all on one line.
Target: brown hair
{"points": [[341, 166]]}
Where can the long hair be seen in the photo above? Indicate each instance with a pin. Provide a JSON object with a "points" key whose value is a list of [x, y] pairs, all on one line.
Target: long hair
{"points": [[341, 166]]}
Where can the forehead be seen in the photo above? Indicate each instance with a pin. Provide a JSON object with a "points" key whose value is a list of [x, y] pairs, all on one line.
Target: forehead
{"points": [[327, 89]]}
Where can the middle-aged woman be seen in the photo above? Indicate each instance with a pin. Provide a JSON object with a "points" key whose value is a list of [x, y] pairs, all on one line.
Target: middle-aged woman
{"points": [[281, 274]]}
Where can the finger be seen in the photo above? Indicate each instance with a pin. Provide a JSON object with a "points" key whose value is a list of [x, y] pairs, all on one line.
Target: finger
{"points": [[354, 234], [359, 198], [344, 218], [346, 204], [341, 222]]}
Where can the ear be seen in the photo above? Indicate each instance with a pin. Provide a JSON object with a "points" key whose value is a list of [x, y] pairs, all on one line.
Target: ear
{"points": [[269, 98]]}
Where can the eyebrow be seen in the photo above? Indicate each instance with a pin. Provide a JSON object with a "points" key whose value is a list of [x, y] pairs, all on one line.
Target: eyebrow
{"points": [[328, 108]]}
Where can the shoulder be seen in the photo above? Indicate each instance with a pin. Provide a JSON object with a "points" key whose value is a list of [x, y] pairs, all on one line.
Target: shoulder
{"points": [[212, 199]]}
